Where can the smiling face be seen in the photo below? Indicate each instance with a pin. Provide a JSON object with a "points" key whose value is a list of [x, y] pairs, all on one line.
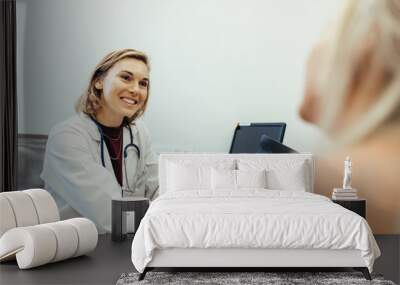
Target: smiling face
{"points": [[124, 91]]}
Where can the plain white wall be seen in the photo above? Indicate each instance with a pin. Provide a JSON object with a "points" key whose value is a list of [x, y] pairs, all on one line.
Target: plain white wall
{"points": [[214, 63]]}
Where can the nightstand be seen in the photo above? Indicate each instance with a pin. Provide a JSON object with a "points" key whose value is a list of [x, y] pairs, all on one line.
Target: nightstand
{"points": [[358, 206], [126, 204]]}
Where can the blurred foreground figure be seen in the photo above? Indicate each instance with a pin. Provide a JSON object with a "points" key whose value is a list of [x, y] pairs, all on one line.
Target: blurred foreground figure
{"points": [[352, 92]]}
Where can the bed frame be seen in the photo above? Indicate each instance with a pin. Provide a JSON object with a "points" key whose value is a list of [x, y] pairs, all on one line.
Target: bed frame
{"points": [[260, 259], [248, 259]]}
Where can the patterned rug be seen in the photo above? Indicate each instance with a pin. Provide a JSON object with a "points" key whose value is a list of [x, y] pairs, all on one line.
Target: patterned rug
{"points": [[269, 278]]}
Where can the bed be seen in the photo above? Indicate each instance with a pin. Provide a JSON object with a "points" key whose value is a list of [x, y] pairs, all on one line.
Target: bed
{"points": [[244, 211]]}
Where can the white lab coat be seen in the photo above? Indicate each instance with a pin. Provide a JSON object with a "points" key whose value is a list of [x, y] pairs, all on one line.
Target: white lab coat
{"points": [[74, 175]]}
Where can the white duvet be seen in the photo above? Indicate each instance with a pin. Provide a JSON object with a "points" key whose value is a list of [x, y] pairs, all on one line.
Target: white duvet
{"points": [[251, 218]]}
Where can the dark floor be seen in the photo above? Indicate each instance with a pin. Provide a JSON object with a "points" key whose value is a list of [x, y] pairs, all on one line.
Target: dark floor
{"points": [[102, 266], [389, 262], [110, 260]]}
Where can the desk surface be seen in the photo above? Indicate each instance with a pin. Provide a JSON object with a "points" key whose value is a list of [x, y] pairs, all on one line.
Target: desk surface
{"points": [[104, 265]]}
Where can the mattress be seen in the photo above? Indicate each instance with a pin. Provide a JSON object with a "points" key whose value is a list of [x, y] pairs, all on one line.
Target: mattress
{"points": [[250, 219]]}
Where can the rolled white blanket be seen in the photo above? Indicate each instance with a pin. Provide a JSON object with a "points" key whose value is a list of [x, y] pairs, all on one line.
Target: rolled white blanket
{"points": [[26, 208], [7, 220], [45, 206], [87, 235], [22, 207], [40, 244], [31, 232]]}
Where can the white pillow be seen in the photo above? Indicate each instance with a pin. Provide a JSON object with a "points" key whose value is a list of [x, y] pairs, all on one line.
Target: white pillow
{"points": [[293, 179], [236, 179], [281, 174], [223, 179], [251, 178], [189, 175]]}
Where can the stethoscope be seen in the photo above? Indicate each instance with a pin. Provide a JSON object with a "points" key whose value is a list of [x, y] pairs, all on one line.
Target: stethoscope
{"points": [[126, 148]]}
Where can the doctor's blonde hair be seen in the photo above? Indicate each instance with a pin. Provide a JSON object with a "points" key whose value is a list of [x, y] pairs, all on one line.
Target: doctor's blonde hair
{"points": [[90, 101], [369, 29]]}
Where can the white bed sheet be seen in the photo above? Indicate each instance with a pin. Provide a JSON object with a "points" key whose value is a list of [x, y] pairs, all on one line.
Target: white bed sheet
{"points": [[250, 218]]}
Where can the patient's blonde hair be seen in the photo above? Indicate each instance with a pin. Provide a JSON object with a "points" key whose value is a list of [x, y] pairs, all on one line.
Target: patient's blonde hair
{"points": [[375, 23], [89, 101]]}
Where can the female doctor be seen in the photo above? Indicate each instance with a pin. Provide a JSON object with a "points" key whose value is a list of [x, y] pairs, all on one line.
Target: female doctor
{"points": [[104, 151]]}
